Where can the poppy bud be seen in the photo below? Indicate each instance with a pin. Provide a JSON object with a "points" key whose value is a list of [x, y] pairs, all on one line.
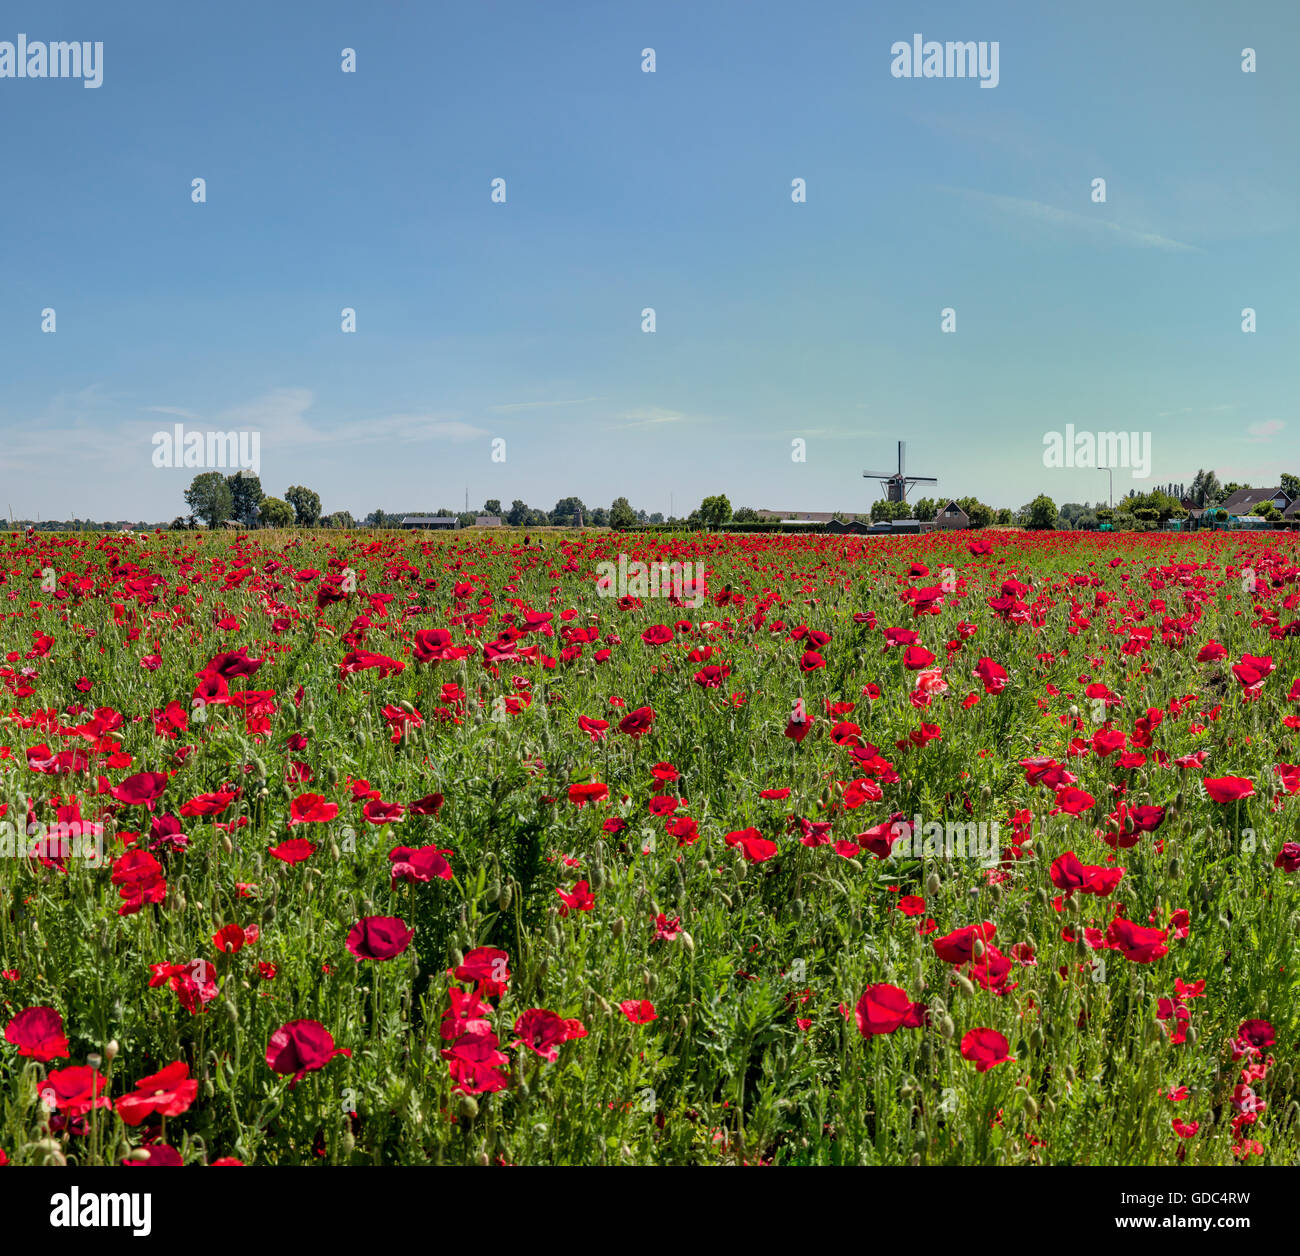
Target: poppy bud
{"points": [[482, 1160], [467, 1109], [1175, 869], [978, 948], [506, 895], [965, 986], [332, 774], [932, 883], [915, 1160], [348, 1143], [231, 1011], [1036, 1038], [139, 1154], [268, 914], [111, 1050], [493, 893], [226, 844], [335, 853], [946, 1026], [457, 957], [687, 941], [617, 927]]}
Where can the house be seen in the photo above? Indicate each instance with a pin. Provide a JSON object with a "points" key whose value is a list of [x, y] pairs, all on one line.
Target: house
{"points": [[1244, 500], [487, 521], [951, 517], [431, 522]]}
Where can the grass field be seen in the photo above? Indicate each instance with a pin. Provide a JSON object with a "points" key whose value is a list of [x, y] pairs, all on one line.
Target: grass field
{"points": [[377, 848]]}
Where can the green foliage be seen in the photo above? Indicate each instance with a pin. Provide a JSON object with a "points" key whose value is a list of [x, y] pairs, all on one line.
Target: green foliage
{"points": [[305, 503], [209, 497], [276, 513]]}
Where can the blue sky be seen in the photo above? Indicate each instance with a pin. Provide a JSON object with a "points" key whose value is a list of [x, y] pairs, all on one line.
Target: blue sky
{"points": [[628, 190]]}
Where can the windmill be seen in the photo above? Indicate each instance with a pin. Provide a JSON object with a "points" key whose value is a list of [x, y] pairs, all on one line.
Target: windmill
{"points": [[896, 483]]}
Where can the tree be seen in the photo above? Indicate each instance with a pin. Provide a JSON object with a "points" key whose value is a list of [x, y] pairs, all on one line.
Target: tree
{"points": [[305, 503], [657, 517], [492, 507], [621, 514], [340, 519], [1040, 514], [1267, 510], [715, 511], [567, 512], [925, 510], [746, 514], [276, 513], [208, 496], [884, 510], [1291, 485], [518, 515], [1205, 489], [246, 496], [977, 512], [1002, 516]]}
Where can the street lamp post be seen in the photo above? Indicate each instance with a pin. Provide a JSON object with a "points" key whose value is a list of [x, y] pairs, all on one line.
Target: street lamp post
{"points": [[1110, 472]]}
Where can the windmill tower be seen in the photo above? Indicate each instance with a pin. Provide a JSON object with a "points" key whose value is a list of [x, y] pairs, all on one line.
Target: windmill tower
{"points": [[896, 483]]}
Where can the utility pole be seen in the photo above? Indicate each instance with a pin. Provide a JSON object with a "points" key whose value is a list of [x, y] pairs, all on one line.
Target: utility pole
{"points": [[1110, 472]]}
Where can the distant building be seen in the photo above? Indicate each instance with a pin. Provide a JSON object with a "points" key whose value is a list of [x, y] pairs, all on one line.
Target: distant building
{"points": [[1244, 500], [806, 516], [894, 527], [951, 517], [487, 521], [431, 522]]}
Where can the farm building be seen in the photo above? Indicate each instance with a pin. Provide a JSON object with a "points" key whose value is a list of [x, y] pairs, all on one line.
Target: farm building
{"points": [[447, 522], [487, 521], [951, 517]]}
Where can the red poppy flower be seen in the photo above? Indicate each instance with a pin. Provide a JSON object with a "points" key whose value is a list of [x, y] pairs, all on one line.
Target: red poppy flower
{"points": [[169, 1092], [580, 898], [311, 809], [418, 866], [138, 876], [636, 723], [638, 1011], [542, 1031], [1136, 942], [300, 1047], [753, 845], [985, 1048], [75, 1090], [141, 790], [882, 1009], [584, 792], [487, 966], [1229, 788], [38, 1032], [379, 937], [295, 850]]}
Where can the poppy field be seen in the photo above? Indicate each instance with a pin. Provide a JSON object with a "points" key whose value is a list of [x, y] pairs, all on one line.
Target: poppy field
{"points": [[363, 848]]}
